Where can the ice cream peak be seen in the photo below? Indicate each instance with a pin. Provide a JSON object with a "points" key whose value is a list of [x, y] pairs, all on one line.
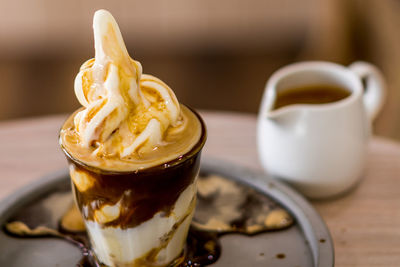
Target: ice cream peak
{"points": [[125, 111]]}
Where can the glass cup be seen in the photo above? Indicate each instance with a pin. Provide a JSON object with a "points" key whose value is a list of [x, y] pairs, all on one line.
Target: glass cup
{"points": [[142, 217]]}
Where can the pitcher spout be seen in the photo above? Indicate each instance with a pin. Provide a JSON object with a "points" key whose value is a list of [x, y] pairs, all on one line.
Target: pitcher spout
{"points": [[268, 111], [284, 114]]}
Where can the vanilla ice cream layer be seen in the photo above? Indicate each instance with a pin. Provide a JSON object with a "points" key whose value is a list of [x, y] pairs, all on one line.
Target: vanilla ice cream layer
{"points": [[164, 235]]}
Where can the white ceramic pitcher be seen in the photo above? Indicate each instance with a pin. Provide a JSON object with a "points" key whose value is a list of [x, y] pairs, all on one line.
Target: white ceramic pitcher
{"points": [[320, 149]]}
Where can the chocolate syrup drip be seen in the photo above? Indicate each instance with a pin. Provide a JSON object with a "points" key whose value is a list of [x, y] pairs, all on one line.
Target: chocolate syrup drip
{"points": [[202, 249], [88, 259], [140, 194]]}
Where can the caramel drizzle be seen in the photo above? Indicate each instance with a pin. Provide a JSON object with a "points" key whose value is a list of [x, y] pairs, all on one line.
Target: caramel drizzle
{"points": [[125, 111]]}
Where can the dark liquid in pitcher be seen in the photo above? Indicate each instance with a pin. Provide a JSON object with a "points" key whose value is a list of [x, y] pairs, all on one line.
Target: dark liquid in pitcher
{"points": [[310, 94]]}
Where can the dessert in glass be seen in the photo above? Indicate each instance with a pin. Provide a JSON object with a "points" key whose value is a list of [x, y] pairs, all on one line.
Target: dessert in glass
{"points": [[134, 154]]}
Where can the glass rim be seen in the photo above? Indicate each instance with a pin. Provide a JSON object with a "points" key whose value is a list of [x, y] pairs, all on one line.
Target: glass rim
{"points": [[164, 165]]}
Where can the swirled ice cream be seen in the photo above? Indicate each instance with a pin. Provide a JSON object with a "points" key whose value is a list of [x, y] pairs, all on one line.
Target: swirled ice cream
{"points": [[129, 120], [134, 156]]}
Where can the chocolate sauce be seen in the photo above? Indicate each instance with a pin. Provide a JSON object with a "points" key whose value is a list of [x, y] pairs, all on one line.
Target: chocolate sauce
{"points": [[141, 194], [280, 256], [202, 248]]}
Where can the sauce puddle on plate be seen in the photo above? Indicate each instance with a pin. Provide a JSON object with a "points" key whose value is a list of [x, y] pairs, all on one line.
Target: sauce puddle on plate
{"points": [[223, 207]]}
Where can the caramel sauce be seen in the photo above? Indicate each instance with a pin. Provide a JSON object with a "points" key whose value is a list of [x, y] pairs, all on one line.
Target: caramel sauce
{"points": [[113, 50], [310, 94], [176, 143]]}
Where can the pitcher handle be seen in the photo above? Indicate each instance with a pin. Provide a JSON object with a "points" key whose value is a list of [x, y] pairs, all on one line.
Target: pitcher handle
{"points": [[375, 88]]}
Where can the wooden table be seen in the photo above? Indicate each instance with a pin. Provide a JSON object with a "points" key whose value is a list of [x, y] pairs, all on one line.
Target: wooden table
{"points": [[365, 224]]}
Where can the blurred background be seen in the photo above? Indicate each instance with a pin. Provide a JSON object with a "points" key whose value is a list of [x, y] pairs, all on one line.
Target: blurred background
{"points": [[213, 54]]}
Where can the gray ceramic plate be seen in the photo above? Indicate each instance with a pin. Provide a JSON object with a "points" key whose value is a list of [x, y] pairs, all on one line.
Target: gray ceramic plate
{"points": [[307, 243]]}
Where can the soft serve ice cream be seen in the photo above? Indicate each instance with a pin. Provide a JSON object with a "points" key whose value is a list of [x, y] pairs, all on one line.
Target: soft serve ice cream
{"points": [[134, 156], [129, 119]]}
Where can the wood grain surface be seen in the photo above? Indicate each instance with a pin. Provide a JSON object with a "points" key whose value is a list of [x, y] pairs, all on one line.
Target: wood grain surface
{"points": [[364, 223]]}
